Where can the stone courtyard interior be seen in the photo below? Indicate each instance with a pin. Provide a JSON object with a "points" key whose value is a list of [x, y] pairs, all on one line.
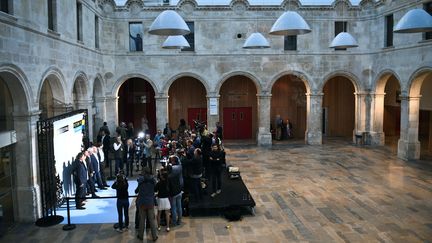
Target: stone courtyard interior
{"points": [[356, 166]]}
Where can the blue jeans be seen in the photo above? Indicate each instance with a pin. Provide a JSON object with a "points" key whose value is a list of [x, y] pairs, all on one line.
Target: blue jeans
{"points": [[176, 209], [123, 207]]}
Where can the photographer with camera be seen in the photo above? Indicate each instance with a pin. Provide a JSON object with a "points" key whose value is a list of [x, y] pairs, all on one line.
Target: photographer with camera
{"points": [[148, 147], [121, 185]]}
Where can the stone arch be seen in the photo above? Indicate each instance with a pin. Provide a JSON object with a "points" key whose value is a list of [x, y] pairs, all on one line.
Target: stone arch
{"points": [[81, 86], [239, 73], [353, 78], [21, 102], [23, 117], [57, 82], [185, 74], [341, 113], [98, 86], [416, 80], [302, 76], [116, 87], [382, 78]]}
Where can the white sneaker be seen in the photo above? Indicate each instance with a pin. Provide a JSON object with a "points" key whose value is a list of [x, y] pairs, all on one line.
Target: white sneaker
{"points": [[218, 191], [213, 195], [119, 230], [126, 228]]}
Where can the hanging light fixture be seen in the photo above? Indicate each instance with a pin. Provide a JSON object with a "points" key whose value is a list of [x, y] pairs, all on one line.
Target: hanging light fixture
{"points": [[290, 23], [415, 20], [344, 39], [169, 22], [175, 42], [256, 41]]}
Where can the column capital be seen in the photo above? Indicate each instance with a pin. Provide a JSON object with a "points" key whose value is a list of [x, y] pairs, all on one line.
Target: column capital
{"points": [[27, 115], [161, 97], [264, 96], [409, 98], [100, 99], [378, 94], [315, 94], [112, 98]]}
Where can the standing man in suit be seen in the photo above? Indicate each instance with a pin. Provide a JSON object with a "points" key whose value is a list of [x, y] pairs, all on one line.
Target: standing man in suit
{"points": [[118, 154], [101, 157], [105, 140], [96, 167], [90, 171], [80, 178], [129, 156]]}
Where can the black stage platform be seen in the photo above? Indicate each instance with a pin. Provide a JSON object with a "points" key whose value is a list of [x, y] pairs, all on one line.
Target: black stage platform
{"points": [[234, 195]]}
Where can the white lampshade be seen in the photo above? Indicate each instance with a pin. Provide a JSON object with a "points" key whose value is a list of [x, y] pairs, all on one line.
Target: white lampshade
{"points": [[169, 22], [175, 42], [416, 20], [290, 23], [256, 41], [344, 40]]}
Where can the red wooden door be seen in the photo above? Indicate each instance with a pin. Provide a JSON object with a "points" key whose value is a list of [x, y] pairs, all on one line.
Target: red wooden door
{"points": [[237, 122], [199, 114]]}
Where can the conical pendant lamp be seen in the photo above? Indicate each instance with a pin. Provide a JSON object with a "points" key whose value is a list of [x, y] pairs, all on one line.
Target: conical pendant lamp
{"points": [[290, 23], [175, 42], [344, 40], [256, 41], [415, 20], [169, 22]]}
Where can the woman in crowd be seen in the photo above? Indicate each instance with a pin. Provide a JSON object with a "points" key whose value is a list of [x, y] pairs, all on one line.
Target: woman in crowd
{"points": [[164, 205]]}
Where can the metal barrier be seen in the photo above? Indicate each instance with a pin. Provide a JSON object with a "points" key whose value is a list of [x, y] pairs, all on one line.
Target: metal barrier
{"points": [[70, 226]]}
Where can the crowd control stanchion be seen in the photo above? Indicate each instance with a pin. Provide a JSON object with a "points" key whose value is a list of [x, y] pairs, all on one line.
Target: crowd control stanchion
{"points": [[69, 226]]}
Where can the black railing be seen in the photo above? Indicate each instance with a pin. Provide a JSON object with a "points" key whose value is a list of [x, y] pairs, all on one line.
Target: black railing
{"points": [[70, 226]]}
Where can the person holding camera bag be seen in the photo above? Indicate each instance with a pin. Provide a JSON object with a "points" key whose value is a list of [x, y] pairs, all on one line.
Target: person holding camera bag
{"points": [[121, 185]]}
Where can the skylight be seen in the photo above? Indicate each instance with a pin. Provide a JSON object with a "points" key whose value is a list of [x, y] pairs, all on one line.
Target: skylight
{"points": [[252, 2]]}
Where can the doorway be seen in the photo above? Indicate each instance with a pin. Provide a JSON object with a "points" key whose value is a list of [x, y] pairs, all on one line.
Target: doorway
{"points": [[237, 122]]}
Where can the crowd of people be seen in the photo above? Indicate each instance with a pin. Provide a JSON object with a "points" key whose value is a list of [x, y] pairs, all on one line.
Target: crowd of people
{"points": [[174, 168]]}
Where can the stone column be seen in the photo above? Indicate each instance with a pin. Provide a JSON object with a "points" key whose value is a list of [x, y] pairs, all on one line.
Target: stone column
{"points": [[313, 134], [111, 117], [361, 121], [212, 118], [264, 137], [408, 144], [377, 136], [87, 104], [162, 114], [27, 190]]}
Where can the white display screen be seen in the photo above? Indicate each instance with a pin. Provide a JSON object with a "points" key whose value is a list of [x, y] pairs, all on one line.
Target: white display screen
{"points": [[68, 142]]}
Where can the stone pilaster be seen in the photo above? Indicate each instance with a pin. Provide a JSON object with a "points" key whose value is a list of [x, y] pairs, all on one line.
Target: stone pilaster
{"points": [[87, 104], [212, 119], [264, 137], [111, 117], [408, 145], [162, 115], [313, 132], [376, 135], [27, 190], [99, 111]]}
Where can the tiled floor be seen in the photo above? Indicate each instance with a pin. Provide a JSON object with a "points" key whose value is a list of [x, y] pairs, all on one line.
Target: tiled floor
{"points": [[330, 193]]}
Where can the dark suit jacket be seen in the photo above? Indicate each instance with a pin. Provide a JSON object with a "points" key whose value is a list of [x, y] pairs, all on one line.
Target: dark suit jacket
{"points": [[94, 162], [129, 151], [80, 172]]}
